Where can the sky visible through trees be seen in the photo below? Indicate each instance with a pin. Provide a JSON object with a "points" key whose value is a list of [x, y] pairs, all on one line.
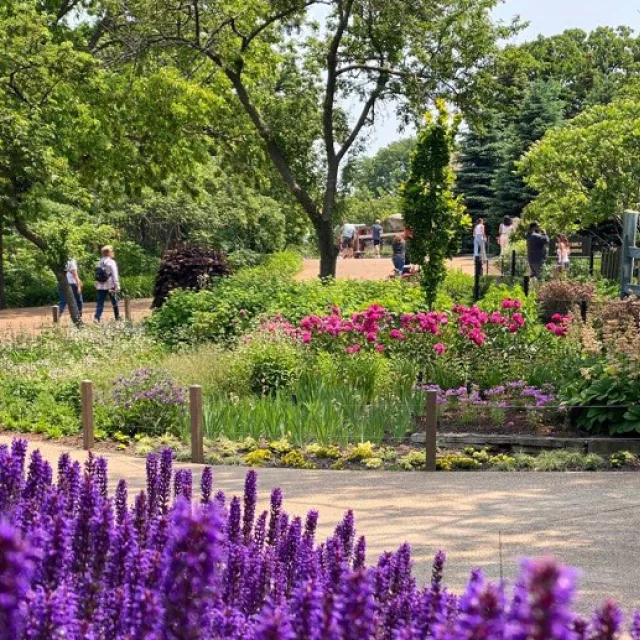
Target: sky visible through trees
{"points": [[546, 17]]}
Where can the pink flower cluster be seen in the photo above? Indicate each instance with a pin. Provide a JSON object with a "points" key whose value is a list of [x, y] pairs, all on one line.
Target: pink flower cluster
{"points": [[373, 327], [560, 324], [473, 322]]}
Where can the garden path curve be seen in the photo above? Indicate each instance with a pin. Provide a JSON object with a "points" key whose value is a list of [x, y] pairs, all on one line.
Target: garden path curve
{"points": [[589, 520]]}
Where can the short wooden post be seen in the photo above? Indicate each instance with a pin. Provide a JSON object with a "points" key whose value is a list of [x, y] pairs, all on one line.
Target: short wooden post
{"points": [[584, 310], [127, 309], [195, 405], [525, 284], [87, 414], [55, 313], [477, 276], [431, 423], [592, 261]]}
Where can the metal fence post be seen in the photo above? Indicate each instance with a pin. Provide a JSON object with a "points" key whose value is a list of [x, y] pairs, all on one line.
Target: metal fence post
{"points": [[513, 264], [476, 282], [55, 314], [431, 423], [195, 406], [86, 389]]}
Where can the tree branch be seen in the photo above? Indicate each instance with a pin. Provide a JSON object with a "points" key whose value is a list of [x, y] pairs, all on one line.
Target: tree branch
{"points": [[30, 235], [366, 110], [273, 148]]}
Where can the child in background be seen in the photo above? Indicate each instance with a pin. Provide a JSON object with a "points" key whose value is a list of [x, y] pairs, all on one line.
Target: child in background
{"points": [[563, 251]]}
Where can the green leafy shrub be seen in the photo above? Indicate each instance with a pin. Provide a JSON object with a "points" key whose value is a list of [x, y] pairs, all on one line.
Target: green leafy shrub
{"points": [[258, 457]]}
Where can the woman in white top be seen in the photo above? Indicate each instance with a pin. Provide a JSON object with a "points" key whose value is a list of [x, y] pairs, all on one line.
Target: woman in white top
{"points": [[76, 287], [505, 232], [479, 241], [107, 283]]}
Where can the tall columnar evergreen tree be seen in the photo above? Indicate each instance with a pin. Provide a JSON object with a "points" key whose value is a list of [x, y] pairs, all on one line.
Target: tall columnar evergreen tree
{"points": [[434, 215], [476, 166]]}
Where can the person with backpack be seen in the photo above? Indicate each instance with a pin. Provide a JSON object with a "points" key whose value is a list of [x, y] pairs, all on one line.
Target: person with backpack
{"points": [[107, 283], [76, 287]]}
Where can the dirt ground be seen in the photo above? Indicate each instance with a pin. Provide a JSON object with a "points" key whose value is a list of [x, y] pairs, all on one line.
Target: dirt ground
{"points": [[33, 320]]}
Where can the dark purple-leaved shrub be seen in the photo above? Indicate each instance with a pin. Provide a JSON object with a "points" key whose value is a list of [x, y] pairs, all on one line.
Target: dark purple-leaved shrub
{"points": [[188, 267], [78, 564]]}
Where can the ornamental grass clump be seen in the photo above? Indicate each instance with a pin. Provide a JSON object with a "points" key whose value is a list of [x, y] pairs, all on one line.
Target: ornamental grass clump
{"points": [[176, 564]]}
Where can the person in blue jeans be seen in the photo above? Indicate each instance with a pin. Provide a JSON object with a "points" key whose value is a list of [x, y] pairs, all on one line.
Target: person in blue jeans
{"points": [[76, 288], [107, 283]]}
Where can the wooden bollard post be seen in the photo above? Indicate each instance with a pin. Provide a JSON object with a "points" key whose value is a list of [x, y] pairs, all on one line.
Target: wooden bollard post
{"points": [[430, 430], [55, 313], [195, 406], [87, 414], [127, 309]]}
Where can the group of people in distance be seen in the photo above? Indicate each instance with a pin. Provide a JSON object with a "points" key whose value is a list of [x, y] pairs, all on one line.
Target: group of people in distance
{"points": [[107, 282], [537, 246], [349, 234]]}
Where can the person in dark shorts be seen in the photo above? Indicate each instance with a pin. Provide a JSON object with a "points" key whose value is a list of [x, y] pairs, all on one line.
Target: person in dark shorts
{"points": [[376, 234], [399, 253], [537, 245]]}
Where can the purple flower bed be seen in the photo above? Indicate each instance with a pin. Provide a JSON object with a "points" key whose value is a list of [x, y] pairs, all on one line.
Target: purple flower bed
{"points": [[513, 394], [77, 564]]}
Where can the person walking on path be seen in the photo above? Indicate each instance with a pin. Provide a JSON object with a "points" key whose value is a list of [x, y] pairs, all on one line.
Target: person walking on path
{"points": [[376, 234], [399, 254], [480, 241], [537, 243], [348, 236], [76, 287], [107, 283], [505, 232]]}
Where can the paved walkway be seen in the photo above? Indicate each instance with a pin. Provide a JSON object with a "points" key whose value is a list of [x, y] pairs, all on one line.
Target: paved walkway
{"points": [[589, 520], [377, 269]]}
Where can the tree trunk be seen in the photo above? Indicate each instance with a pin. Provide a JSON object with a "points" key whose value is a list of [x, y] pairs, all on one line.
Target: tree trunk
{"points": [[72, 305], [3, 297], [327, 247]]}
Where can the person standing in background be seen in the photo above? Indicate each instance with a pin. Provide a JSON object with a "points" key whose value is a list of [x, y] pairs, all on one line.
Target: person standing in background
{"points": [[376, 234], [107, 283], [563, 251], [505, 231], [480, 241], [537, 242], [76, 287], [399, 254], [348, 236]]}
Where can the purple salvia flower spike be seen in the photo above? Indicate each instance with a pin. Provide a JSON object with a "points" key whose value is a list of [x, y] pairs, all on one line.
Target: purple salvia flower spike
{"points": [[121, 502], [607, 622], [233, 524], [192, 559], [164, 482], [274, 519], [102, 477], [250, 500], [360, 554], [153, 484], [635, 626], [206, 485], [16, 569]]}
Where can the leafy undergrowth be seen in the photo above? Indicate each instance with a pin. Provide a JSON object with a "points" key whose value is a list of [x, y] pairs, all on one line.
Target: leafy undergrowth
{"points": [[367, 456]]}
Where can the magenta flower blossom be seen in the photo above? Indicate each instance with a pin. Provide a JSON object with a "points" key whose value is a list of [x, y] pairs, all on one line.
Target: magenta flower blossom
{"points": [[439, 348]]}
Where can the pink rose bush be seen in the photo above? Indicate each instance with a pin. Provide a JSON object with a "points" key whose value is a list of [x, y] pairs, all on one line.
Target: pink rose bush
{"points": [[559, 325]]}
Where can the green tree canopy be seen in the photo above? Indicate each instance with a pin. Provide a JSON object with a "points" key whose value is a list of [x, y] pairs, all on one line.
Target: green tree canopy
{"points": [[293, 65], [588, 170]]}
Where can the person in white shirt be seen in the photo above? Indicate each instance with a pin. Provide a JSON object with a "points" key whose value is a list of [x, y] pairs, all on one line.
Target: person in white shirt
{"points": [[76, 287], [505, 231], [479, 241], [107, 283]]}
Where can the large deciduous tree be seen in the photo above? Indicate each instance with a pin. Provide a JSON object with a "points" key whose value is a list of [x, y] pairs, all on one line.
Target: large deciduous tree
{"points": [[588, 170], [435, 216], [70, 129], [294, 64]]}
